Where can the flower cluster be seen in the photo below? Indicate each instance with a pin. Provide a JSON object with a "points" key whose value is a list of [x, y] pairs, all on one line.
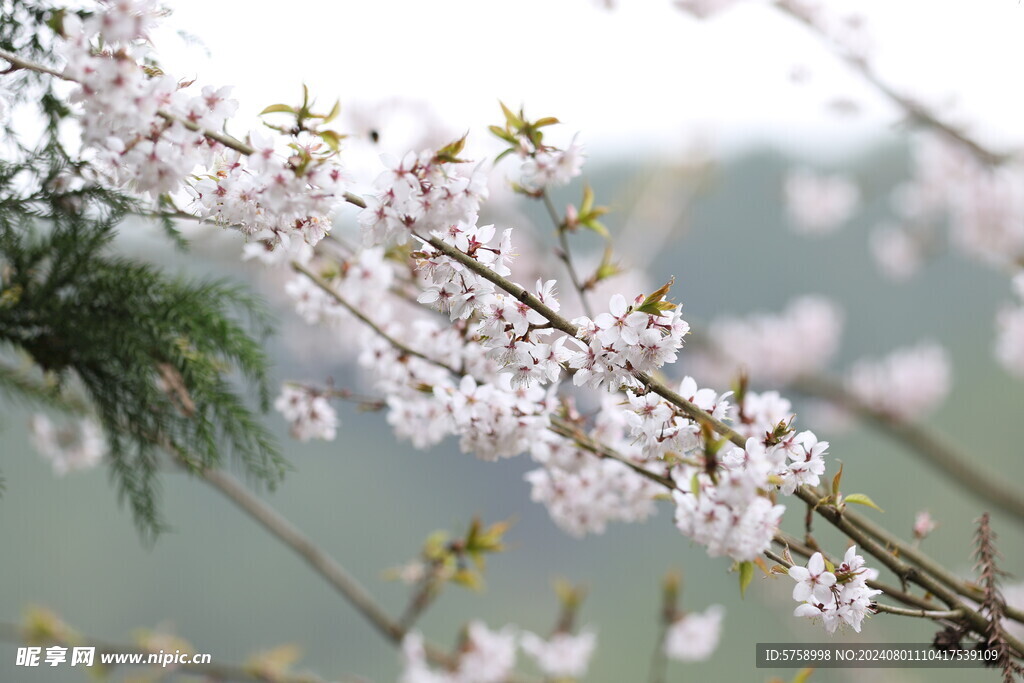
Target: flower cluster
{"points": [[724, 511], [661, 429], [419, 194], [493, 420], [147, 130], [123, 104], [721, 499], [817, 203], [309, 412], [694, 636], [983, 204], [906, 384], [488, 656], [563, 655], [627, 340], [836, 595], [584, 493], [551, 167], [898, 250], [775, 347], [271, 198], [511, 360]]}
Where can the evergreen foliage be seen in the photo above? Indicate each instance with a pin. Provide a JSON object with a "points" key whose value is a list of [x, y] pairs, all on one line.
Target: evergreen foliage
{"points": [[161, 360]]}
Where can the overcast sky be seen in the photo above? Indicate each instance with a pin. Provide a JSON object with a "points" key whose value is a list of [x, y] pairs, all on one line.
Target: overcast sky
{"points": [[643, 74]]}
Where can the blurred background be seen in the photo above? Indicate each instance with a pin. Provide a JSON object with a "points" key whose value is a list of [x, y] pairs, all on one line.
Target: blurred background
{"points": [[691, 129]]}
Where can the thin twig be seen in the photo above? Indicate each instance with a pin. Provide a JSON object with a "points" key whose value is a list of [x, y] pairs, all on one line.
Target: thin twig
{"points": [[563, 241], [797, 547], [918, 557], [402, 348], [929, 446], [904, 571], [945, 615], [20, 63], [326, 566]]}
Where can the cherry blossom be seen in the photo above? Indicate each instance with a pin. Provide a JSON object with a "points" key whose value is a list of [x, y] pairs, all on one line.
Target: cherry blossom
{"points": [[908, 383], [837, 598], [563, 655], [924, 525], [898, 253], [79, 445], [819, 203], [775, 347], [695, 636], [552, 167], [310, 414], [812, 581]]}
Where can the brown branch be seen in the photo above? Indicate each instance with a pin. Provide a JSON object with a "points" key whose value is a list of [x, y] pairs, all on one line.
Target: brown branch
{"points": [[905, 597], [324, 565], [563, 241], [919, 558], [930, 447], [906, 572]]}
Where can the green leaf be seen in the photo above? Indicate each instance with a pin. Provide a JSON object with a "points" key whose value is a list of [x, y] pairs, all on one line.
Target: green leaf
{"points": [[596, 226], [278, 108], [655, 303], [503, 134], [435, 547], [862, 499], [546, 121], [56, 21], [607, 268], [449, 154], [333, 114], [588, 200], [513, 120], [503, 155], [469, 579], [332, 139], [746, 576]]}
